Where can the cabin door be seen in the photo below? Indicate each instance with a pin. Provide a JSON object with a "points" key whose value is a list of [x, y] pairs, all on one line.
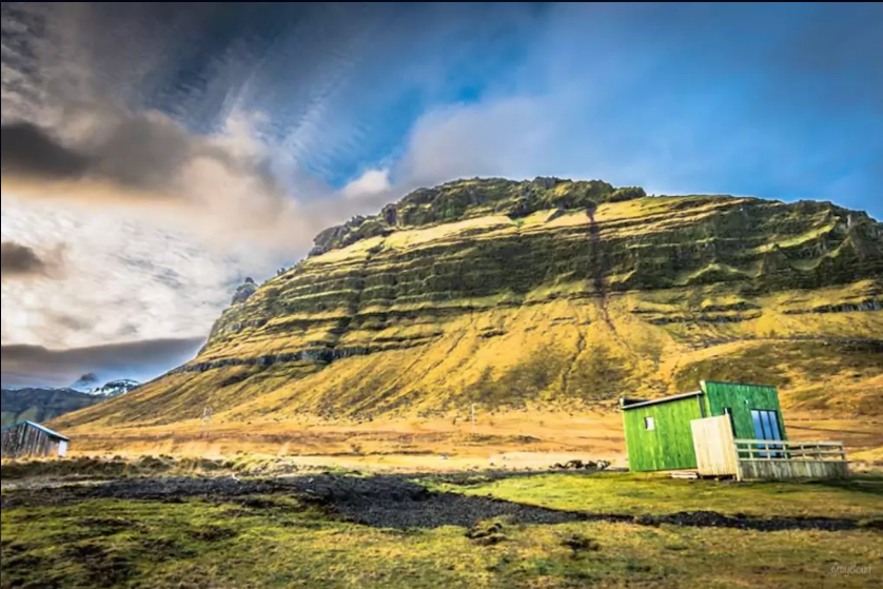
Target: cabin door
{"points": [[766, 427], [62, 449]]}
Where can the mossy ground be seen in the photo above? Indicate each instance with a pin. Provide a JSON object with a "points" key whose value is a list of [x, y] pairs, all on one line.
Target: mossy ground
{"points": [[647, 494], [279, 541]]}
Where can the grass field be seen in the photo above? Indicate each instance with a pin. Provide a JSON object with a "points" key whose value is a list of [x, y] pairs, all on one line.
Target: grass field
{"points": [[288, 539], [643, 494]]}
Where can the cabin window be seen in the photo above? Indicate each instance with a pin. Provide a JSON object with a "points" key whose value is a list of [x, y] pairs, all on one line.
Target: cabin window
{"points": [[766, 427], [649, 423]]}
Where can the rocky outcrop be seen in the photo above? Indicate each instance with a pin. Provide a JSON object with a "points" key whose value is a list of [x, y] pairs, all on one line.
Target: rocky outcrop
{"points": [[456, 201], [244, 291]]}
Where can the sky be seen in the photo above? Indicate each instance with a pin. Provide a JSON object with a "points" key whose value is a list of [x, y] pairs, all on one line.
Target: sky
{"points": [[154, 155]]}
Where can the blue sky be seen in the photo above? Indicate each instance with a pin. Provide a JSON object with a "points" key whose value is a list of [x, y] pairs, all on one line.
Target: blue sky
{"points": [[212, 141], [774, 100]]}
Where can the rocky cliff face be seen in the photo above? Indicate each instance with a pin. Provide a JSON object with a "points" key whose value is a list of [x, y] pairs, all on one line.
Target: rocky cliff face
{"points": [[549, 291]]}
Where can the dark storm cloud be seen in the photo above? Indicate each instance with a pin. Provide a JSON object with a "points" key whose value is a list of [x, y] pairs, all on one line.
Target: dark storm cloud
{"points": [[28, 150], [19, 260], [86, 380], [39, 366], [96, 93], [146, 153]]}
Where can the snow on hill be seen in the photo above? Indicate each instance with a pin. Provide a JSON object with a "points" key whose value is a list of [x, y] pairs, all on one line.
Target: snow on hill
{"points": [[115, 388]]}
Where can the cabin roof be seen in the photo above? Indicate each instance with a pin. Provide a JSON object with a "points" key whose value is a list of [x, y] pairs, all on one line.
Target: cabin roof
{"points": [[43, 429], [635, 403]]}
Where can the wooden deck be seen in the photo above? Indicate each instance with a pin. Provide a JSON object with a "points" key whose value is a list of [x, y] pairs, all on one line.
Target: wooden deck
{"points": [[776, 460], [718, 454]]}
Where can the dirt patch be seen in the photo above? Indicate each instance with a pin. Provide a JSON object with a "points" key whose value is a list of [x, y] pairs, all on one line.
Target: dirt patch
{"points": [[396, 502], [579, 543], [466, 479], [386, 501], [105, 568], [212, 533], [712, 519], [487, 535], [89, 528], [173, 490], [107, 525], [165, 549]]}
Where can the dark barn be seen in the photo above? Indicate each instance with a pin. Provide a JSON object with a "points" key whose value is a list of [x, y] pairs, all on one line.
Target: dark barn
{"points": [[27, 438]]}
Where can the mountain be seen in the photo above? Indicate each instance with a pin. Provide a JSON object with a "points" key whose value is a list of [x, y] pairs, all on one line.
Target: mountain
{"points": [[41, 405], [552, 292], [115, 388]]}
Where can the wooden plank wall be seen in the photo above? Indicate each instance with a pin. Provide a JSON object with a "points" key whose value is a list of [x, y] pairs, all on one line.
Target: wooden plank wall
{"points": [[773, 470], [668, 446], [24, 440], [714, 446]]}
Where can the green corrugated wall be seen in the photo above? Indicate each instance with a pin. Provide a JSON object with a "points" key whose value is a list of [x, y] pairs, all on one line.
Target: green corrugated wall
{"points": [[670, 445], [741, 399]]}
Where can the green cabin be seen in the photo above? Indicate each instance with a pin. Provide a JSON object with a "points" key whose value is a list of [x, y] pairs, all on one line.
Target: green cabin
{"points": [[658, 433]]}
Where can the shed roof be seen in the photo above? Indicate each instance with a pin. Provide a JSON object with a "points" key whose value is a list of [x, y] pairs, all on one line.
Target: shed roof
{"points": [[634, 403], [43, 429]]}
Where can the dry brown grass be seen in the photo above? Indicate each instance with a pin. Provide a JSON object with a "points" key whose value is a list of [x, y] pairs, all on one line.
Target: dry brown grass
{"points": [[511, 440]]}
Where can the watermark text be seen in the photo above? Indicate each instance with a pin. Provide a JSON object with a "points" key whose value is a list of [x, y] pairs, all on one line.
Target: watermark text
{"points": [[851, 569]]}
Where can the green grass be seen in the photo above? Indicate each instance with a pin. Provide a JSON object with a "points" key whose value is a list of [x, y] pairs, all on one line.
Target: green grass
{"points": [[636, 494], [279, 542]]}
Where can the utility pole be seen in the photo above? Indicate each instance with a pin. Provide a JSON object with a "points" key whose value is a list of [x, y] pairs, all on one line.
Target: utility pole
{"points": [[473, 420]]}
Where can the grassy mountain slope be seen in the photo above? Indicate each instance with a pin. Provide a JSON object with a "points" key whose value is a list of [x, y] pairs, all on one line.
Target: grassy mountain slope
{"points": [[512, 294], [42, 404]]}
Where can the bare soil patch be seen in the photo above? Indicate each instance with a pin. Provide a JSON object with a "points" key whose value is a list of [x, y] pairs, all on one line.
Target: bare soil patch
{"points": [[387, 501]]}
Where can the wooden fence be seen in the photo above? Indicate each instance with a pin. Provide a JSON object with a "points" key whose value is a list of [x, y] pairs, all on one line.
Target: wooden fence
{"points": [[714, 446]]}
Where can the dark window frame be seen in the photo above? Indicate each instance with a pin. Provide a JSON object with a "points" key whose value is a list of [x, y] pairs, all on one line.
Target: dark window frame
{"points": [[729, 413]]}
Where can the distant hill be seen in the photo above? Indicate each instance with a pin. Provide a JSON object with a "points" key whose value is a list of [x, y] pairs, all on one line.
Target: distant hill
{"points": [[42, 405], [545, 293]]}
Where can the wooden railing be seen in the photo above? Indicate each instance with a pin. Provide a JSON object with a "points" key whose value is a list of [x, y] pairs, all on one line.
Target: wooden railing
{"points": [[787, 450]]}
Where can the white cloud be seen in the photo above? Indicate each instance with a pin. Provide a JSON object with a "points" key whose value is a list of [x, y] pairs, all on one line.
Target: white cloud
{"points": [[504, 137], [119, 279], [371, 183]]}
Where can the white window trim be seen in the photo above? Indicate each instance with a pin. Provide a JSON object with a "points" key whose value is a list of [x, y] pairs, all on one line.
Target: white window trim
{"points": [[649, 423]]}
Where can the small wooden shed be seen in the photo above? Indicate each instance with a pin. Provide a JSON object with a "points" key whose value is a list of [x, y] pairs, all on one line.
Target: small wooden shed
{"points": [[27, 438], [658, 433], [724, 429]]}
